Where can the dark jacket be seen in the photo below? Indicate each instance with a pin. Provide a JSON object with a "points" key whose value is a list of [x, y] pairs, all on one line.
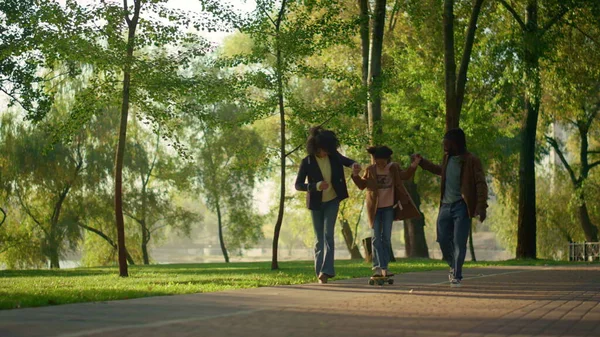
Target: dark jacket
{"points": [[473, 187], [369, 181], [309, 168]]}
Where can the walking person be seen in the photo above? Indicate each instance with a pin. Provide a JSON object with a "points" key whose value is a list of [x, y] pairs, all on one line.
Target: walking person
{"points": [[387, 200], [464, 194], [326, 187]]}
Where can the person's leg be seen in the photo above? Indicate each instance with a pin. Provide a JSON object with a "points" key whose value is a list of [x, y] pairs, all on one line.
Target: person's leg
{"points": [[445, 234], [376, 242], [319, 228], [462, 223], [386, 234], [330, 216]]}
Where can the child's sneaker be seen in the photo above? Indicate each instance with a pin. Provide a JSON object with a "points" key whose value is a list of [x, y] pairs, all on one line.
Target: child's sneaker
{"points": [[377, 272], [387, 273], [455, 283], [323, 278]]}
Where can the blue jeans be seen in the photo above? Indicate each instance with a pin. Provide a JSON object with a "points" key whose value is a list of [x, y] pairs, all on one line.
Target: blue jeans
{"points": [[382, 232], [324, 223], [453, 226]]}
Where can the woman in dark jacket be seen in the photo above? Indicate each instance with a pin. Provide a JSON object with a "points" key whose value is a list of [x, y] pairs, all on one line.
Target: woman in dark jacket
{"points": [[326, 187]]}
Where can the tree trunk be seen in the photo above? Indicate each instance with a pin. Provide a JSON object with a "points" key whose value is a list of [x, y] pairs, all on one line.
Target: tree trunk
{"points": [[283, 155], [471, 245], [365, 46], [527, 227], [368, 247], [450, 66], [221, 240], [376, 81], [590, 231], [349, 239], [54, 257], [132, 25], [145, 240], [415, 243]]}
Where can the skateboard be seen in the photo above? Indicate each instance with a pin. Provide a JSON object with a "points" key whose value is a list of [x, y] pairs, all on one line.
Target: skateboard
{"points": [[380, 280]]}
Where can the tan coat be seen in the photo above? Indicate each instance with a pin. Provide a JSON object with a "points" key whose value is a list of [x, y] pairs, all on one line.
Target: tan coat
{"points": [[369, 181], [473, 187]]}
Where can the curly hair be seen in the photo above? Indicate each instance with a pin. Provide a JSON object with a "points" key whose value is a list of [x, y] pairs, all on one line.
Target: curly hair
{"points": [[380, 152], [320, 138]]}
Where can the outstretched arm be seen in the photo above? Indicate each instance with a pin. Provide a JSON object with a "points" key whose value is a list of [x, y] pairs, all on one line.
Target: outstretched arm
{"points": [[431, 167], [360, 182]]}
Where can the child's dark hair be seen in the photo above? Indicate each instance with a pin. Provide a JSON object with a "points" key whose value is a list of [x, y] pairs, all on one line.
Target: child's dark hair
{"points": [[458, 137], [380, 152], [320, 138]]}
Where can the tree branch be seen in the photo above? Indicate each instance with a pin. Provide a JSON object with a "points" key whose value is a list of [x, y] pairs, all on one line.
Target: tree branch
{"points": [[461, 82], [267, 15], [3, 216], [126, 8], [514, 13], [554, 20], [593, 165], [280, 15], [597, 42], [560, 154]]}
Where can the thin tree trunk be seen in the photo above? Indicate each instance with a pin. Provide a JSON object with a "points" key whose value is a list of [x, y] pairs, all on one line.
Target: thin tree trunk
{"points": [[527, 226], [376, 80], [54, 256], [590, 231], [132, 25], [221, 240], [278, 223], [450, 65], [471, 245], [365, 46], [415, 243], [145, 240]]}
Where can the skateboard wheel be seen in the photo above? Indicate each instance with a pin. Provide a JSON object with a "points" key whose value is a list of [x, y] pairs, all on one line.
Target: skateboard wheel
{"points": [[381, 282], [390, 281], [371, 282]]}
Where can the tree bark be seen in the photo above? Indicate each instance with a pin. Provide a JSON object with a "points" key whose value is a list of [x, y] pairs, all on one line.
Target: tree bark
{"points": [[590, 231], [376, 80], [54, 257], [527, 226], [221, 240], [145, 240], [365, 48], [279, 70], [120, 221], [349, 240], [415, 243]]}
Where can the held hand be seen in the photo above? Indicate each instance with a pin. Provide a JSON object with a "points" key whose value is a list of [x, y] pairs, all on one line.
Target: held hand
{"points": [[416, 160], [356, 169], [323, 185]]}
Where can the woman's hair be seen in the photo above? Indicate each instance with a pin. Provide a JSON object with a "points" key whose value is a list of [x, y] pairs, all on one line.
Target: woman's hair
{"points": [[458, 137], [380, 152], [320, 138]]}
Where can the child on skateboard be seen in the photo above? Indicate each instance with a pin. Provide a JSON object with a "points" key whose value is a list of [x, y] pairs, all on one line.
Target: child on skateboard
{"points": [[387, 200]]}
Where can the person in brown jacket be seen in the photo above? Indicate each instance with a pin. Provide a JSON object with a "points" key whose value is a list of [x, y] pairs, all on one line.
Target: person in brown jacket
{"points": [[464, 194], [387, 200]]}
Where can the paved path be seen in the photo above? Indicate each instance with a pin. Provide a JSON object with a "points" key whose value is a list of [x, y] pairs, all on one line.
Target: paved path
{"points": [[494, 302]]}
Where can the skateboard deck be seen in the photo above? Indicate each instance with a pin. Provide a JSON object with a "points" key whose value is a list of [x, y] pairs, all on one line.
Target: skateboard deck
{"points": [[380, 280]]}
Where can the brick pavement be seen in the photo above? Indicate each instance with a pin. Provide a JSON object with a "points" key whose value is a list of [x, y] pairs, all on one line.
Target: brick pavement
{"points": [[493, 302]]}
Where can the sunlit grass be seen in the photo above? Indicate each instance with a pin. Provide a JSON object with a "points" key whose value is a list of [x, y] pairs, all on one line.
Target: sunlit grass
{"points": [[32, 288]]}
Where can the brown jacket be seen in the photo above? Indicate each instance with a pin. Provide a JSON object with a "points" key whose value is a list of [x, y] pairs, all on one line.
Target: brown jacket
{"points": [[369, 181], [473, 187]]}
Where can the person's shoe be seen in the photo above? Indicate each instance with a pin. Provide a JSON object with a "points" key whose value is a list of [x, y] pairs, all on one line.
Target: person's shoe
{"points": [[451, 274], [377, 272], [323, 278], [455, 283], [386, 273]]}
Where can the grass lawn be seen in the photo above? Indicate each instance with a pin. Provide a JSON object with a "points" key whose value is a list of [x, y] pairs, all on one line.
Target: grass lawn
{"points": [[33, 288]]}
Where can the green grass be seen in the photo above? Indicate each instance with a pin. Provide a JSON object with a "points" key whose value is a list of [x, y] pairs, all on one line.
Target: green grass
{"points": [[33, 288]]}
